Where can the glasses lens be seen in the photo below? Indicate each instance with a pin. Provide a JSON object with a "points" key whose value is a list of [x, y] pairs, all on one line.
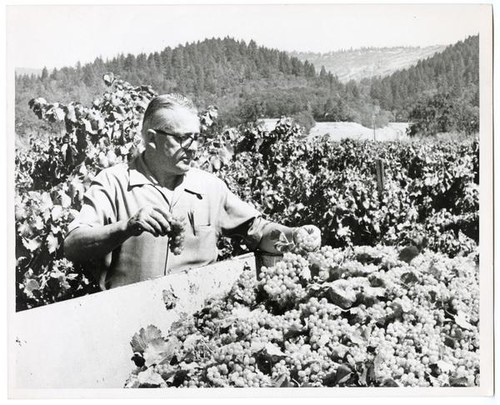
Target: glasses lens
{"points": [[186, 142]]}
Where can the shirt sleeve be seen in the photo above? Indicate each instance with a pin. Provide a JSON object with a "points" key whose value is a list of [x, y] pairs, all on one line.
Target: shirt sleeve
{"points": [[98, 204], [238, 218]]}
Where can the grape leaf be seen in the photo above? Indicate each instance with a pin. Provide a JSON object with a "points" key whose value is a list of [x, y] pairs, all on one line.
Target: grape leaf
{"points": [[132, 382], [159, 351], [117, 116], [281, 381], [109, 78], [191, 341], [64, 198], [273, 350], [151, 378], [70, 114], [377, 363], [341, 293], [409, 278], [30, 286], [461, 382], [32, 244], [324, 339], [57, 211], [189, 366], [256, 347], [242, 312], [343, 231], [343, 374], [461, 320], [216, 163], [357, 339], [445, 367], [38, 223], [373, 292], [25, 230], [52, 243], [46, 203], [124, 150], [389, 382], [59, 113], [293, 331], [88, 126], [141, 339]]}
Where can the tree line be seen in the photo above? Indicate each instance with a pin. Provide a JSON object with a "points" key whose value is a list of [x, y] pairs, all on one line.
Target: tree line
{"points": [[247, 81]]}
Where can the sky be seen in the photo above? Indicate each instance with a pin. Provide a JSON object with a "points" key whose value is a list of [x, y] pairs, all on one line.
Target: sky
{"points": [[57, 36]]}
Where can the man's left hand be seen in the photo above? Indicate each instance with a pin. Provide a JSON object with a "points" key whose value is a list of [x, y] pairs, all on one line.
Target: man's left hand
{"points": [[307, 237]]}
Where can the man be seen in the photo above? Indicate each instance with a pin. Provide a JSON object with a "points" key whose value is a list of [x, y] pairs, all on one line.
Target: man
{"points": [[122, 227]]}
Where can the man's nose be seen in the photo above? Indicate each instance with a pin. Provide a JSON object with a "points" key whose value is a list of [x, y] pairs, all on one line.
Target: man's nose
{"points": [[193, 146]]}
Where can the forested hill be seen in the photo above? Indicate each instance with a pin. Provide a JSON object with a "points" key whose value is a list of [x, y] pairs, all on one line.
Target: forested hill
{"points": [[224, 72], [453, 73], [247, 81], [357, 64]]}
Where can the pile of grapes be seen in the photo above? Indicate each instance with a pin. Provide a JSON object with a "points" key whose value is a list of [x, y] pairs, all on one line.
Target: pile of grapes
{"points": [[336, 317]]}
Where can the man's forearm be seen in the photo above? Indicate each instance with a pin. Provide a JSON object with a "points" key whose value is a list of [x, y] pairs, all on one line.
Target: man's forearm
{"points": [[86, 243]]}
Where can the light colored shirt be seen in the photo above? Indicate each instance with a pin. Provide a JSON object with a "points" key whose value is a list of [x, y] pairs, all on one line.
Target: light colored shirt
{"points": [[119, 192]]}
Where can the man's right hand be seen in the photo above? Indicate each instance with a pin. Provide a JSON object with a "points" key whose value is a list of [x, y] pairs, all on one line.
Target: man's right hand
{"points": [[149, 219], [87, 242]]}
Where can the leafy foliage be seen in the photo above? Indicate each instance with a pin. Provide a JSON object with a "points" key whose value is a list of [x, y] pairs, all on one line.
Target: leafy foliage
{"points": [[443, 113], [52, 176], [430, 188]]}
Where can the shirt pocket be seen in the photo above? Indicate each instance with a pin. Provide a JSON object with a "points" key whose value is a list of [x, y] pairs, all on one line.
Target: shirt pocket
{"points": [[202, 246], [198, 214]]}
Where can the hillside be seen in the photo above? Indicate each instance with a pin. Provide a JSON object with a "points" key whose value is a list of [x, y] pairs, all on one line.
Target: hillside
{"points": [[451, 75], [246, 82], [357, 64]]}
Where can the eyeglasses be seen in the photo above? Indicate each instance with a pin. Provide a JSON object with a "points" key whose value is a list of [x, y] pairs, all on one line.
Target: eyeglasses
{"points": [[185, 140]]}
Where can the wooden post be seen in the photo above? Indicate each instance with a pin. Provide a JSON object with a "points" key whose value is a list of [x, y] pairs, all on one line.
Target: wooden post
{"points": [[380, 177]]}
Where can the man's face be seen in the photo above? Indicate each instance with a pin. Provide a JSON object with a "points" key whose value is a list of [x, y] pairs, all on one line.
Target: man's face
{"points": [[173, 130]]}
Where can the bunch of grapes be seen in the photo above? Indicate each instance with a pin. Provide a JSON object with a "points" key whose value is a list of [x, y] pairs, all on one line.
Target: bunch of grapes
{"points": [[244, 290], [306, 240], [176, 234], [325, 262], [284, 284]]}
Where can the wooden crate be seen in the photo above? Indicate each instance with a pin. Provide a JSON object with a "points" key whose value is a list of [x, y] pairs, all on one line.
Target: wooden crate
{"points": [[85, 342]]}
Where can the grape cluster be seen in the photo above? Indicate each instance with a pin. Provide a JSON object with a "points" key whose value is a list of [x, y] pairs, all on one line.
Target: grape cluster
{"points": [[176, 234], [305, 241], [289, 329], [244, 290], [325, 262], [284, 283]]}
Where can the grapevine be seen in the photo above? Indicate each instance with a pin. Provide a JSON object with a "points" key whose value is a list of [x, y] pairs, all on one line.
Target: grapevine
{"points": [[431, 188]]}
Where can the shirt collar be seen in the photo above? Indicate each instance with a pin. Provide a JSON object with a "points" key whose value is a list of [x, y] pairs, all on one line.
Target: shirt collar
{"points": [[140, 175]]}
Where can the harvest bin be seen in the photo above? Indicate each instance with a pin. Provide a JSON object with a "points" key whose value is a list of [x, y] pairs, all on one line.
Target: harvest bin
{"points": [[85, 342]]}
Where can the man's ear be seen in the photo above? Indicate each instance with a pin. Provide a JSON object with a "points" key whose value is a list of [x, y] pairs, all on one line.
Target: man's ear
{"points": [[150, 138]]}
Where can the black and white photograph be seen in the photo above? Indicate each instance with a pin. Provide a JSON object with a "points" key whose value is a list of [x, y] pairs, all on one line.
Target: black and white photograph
{"points": [[248, 200]]}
